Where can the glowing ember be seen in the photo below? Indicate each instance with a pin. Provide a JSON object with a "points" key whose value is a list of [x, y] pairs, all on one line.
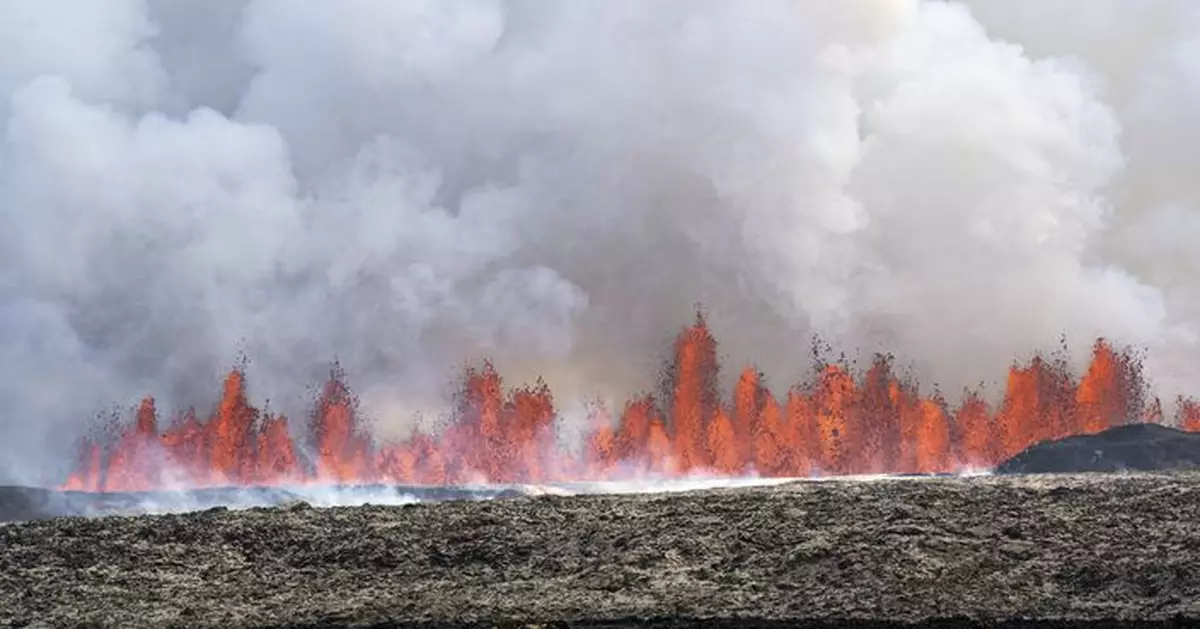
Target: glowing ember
{"points": [[835, 424]]}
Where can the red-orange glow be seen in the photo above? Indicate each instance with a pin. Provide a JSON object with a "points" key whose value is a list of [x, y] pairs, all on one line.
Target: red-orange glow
{"points": [[341, 452], [879, 407], [659, 451], [723, 446], [230, 438], [978, 446], [88, 474], [836, 423], [132, 466], [1109, 390], [1189, 415], [835, 402], [276, 456], [695, 383], [601, 447], [932, 442], [633, 436], [803, 435], [747, 401], [771, 442]]}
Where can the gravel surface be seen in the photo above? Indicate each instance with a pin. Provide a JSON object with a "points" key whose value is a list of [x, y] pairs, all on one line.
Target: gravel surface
{"points": [[1063, 551]]}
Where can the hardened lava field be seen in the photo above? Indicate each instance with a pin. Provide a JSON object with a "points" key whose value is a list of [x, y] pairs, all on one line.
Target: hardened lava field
{"points": [[1060, 551]]}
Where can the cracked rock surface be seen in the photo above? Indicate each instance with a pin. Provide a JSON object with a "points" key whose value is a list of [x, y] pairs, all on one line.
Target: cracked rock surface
{"points": [[1062, 551]]}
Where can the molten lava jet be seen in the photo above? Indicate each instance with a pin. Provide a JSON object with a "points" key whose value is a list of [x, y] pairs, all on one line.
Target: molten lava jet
{"points": [[834, 424]]}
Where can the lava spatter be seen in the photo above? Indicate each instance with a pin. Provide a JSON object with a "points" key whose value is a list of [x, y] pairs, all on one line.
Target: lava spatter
{"points": [[836, 423]]}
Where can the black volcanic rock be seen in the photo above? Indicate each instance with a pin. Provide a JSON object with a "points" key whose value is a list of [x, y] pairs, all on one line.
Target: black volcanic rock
{"points": [[29, 503], [1135, 447], [1064, 551], [32, 503]]}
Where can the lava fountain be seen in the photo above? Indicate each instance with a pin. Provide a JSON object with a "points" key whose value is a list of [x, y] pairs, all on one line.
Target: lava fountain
{"points": [[838, 423]]}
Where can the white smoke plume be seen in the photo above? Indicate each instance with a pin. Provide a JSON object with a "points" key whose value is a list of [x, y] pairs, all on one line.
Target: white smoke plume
{"points": [[406, 186]]}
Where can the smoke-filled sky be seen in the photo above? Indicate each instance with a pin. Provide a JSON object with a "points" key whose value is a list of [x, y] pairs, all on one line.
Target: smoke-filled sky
{"points": [[407, 186]]}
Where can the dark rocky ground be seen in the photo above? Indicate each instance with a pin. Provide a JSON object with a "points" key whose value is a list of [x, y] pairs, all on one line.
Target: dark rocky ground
{"points": [[1135, 447], [1062, 551], [31, 503]]}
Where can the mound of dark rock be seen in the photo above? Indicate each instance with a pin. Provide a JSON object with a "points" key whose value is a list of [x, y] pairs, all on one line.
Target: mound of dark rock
{"points": [[1135, 447], [29, 503]]}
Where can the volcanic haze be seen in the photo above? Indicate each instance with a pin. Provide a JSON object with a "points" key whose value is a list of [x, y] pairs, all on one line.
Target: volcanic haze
{"points": [[410, 186]]}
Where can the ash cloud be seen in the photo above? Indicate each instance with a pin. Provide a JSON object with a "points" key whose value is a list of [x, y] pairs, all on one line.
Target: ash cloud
{"points": [[409, 186]]}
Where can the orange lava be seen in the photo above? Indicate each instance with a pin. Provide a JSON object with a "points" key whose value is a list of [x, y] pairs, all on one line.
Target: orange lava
{"points": [[834, 424]]}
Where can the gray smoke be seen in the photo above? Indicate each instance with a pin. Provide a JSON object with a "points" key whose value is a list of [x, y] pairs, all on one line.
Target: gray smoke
{"points": [[409, 186]]}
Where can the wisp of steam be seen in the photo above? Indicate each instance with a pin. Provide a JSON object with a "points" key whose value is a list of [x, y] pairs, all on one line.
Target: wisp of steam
{"points": [[404, 186]]}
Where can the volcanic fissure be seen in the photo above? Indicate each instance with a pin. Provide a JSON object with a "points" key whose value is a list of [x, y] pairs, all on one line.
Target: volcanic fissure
{"points": [[838, 422]]}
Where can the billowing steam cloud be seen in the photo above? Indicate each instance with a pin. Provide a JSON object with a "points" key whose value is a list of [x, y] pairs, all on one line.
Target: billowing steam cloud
{"points": [[407, 186]]}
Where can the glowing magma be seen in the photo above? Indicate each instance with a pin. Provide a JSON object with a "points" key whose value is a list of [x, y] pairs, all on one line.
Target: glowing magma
{"points": [[834, 424]]}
